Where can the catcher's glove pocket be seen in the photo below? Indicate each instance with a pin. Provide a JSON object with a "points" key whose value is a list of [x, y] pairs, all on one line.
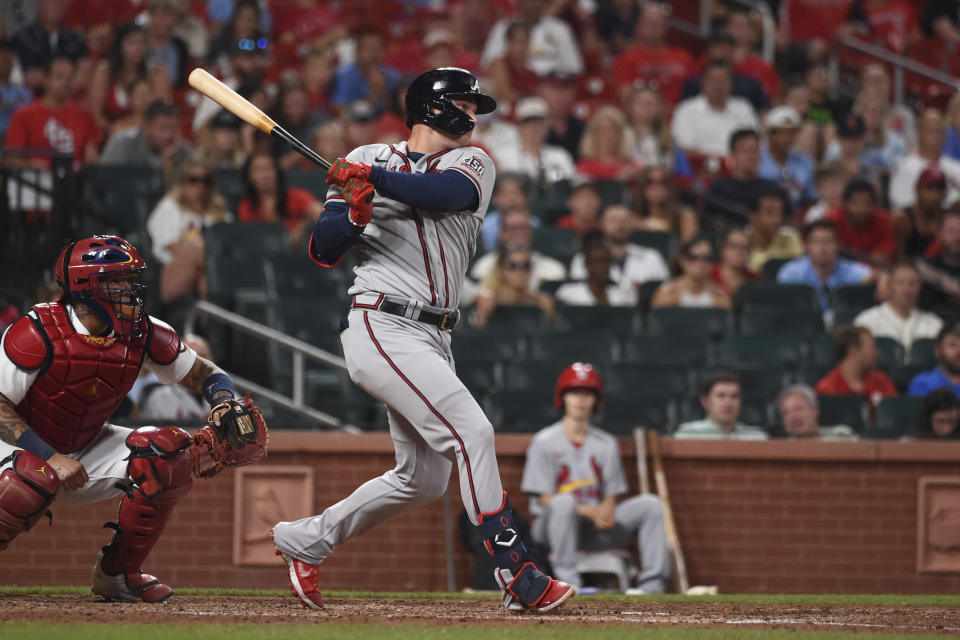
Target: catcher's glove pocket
{"points": [[239, 439]]}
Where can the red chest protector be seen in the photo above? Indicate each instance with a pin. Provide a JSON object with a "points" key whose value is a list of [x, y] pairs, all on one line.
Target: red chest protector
{"points": [[82, 378]]}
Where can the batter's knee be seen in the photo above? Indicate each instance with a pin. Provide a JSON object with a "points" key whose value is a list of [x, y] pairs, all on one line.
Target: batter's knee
{"points": [[27, 489], [428, 481], [160, 462], [481, 435]]}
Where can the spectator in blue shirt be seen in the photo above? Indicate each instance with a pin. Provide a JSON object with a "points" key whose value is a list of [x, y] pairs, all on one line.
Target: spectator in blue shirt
{"points": [[367, 78], [791, 168], [820, 266], [12, 96], [947, 372]]}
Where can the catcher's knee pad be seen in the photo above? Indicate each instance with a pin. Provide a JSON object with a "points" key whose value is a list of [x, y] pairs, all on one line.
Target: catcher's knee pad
{"points": [[160, 463], [501, 537], [26, 490]]}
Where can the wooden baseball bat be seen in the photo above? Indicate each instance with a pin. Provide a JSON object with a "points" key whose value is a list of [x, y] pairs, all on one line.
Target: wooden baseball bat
{"points": [[640, 442], [239, 106], [670, 527]]}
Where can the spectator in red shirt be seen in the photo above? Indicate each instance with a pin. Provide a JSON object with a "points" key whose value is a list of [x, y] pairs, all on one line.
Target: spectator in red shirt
{"points": [[95, 21], [802, 21], [53, 123], [730, 272], [856, 372], [584, 204], [745, 61], [605, 147], [864, 229], [888, 23], [268, 198], [510, 74], [651, 60]]}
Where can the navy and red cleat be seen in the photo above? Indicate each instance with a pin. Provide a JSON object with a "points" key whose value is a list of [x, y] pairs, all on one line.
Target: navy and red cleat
{"points": [[304, 580], [530, 588]]}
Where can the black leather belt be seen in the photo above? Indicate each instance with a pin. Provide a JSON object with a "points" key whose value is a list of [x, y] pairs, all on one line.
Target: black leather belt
{"points": [[445, 321]]}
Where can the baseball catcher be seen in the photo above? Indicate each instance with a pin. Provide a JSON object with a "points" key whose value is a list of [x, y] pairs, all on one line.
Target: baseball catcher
{"points": [[64, 367]]}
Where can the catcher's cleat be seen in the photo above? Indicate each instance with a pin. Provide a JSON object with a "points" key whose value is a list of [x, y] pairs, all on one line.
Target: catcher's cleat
{"points": [[530, 588], [128, 587], [304, 581]]}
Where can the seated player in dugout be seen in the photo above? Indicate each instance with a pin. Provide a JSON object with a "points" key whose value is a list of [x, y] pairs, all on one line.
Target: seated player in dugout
{"points": [[64, 368], [573, 476]]}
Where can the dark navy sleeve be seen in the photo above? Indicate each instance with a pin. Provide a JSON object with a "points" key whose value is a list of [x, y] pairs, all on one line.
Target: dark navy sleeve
{"points": [[333, 234], [445, 191]]}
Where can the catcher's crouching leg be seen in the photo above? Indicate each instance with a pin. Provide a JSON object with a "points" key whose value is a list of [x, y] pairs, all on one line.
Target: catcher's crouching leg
{"points": [[26, 490], [159, 466], [523, 585]]}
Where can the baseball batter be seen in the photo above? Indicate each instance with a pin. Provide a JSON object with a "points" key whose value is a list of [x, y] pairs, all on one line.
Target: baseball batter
{"points": [[65, 366], [415, 209], [574, 474]]}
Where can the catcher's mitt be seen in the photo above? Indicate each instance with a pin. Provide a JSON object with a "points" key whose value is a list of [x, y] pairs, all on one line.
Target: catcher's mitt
{"points": [[240, 439]]}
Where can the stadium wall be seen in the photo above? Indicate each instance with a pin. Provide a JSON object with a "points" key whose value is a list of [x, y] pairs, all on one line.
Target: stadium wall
{"points": [[754, 517]]}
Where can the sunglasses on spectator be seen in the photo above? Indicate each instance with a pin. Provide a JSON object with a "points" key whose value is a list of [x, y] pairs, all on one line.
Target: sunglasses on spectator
{"points": [[207, 180], [517, 266]]}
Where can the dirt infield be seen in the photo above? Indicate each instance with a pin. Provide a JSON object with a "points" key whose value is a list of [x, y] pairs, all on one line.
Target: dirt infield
{"points": [[277, 610]]}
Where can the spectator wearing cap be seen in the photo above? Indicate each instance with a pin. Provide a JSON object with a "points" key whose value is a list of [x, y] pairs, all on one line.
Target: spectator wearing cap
{"points": [[651, 60], [940, 269], [164, 49], [605, 147], [292, 112], [658, 208], [631, 264], [367, 78], [553, 45], [516, 230], [222, 146], [542, 163], [864, 229], [856, 373], [693, 288], [938, 418], [43, 39], [849, 147], [510, 74], [916, 226], [156, 144], [731, 197], [704, 124], [781, 162], [114, 79], [947, 372], [12, 96], [821, 266], [559, 91], [720, 396], [720, 51], [800, 412], [583, 205], [929, 152], [597, 288], [730, 272], [768, 237], [899, 318]]}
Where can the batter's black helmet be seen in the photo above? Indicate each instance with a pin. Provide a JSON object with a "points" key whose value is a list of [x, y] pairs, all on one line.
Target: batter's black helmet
{"points": [[429, 100]]}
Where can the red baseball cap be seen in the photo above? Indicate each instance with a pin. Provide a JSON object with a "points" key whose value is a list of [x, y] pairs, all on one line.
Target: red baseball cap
{"points": [[932, 176]]}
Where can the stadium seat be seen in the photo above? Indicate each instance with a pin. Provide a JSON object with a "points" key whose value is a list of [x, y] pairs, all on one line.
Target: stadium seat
{"points": [[598, 347], [682, 321], [853, 411], [889, 354], [230, 276], [613, 192], [486, 346], [669, 380], [645, 294], [771, 268], [662, 241], [922, 353], [811, 373], [903, 376], [245, 239], [514, 411], [823, 351], [895, 416], [294, 274], [229, 183], [617, 319], [538, 377], [807, 323], [313, 180], [550, 287], [119, 198], [690, 351], [623, 412], [758, 294], [560, 244], [765, 381], [517, 319], [785, 349], [854, 297], [314, 320]]}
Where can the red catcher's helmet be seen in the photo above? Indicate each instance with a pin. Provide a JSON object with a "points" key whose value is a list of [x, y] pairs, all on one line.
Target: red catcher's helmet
{"points": [[103, 272], [579, 375]]}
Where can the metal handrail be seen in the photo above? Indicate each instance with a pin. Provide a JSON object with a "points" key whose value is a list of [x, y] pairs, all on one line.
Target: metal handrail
{"points": [[300, 349]]}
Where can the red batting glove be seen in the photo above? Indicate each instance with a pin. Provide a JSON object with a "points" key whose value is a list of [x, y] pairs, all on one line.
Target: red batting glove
{"points": [[359, 195], [343, 170]]}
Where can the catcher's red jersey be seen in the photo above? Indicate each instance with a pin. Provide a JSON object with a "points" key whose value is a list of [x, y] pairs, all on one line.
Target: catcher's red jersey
{"points": [[82, 378]]}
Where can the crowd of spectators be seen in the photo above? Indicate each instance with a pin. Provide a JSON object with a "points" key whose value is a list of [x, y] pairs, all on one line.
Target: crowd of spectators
{"points": [[682, 168]]}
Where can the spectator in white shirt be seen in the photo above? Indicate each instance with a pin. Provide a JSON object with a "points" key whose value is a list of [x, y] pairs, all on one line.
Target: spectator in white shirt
{"points": [[898, 317], [543, 163], [516, 230], [553, 46], [703, 124], [597, 289], [931, 132], [632, 264], [693, 287]]}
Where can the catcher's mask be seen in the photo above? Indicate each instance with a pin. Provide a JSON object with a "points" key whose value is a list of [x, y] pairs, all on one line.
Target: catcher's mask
{"points": [[103, 272], [578, 375]]}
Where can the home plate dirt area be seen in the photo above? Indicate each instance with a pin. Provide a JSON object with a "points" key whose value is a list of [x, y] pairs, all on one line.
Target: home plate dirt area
{"points": [[584, 612]]}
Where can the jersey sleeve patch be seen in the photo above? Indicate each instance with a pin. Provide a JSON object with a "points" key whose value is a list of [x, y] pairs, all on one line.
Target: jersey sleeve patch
{"points": [[473, 164], [164, 345], [27, 345]]}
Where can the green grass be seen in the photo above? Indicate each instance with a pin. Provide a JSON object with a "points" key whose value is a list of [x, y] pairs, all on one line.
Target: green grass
{"points": [[329, 631], [852, 600]]}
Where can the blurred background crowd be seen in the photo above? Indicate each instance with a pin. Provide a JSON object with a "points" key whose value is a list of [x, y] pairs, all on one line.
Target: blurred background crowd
{"points": [[742, 212]]}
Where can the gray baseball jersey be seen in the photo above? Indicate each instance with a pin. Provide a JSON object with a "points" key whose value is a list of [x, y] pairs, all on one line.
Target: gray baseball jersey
{"points": [[407, 364], [412, 252]]}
